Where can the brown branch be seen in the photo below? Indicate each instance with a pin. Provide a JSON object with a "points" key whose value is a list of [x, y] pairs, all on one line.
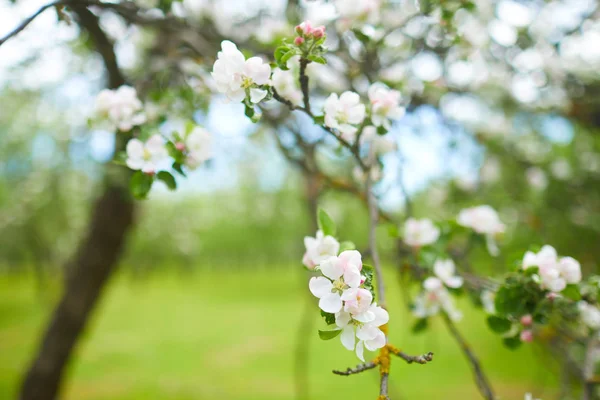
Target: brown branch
{"points": [[357, 370], [481, 379], [420, 359]]}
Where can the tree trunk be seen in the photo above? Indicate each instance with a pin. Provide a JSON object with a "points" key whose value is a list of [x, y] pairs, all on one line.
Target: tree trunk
{"points": [[95, 259]]}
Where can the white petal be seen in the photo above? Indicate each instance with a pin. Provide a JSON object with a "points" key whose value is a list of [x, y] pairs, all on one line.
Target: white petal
{"points": [[454, 282], [331, 268], [256, 95], [331, 303], [347, 337], [320, 286], [365, 317], [135, 149], [376, 343], [342, 319], [360, 351], [367, 332]]}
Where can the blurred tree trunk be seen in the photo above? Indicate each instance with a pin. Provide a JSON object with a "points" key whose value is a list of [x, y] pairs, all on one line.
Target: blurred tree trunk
{"points": [[95, 259]]}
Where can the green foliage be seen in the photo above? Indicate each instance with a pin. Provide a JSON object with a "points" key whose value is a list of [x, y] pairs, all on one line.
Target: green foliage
{"points": [[328, 335], [140, 184], [420, 325], [326, 224], [369, 274], [168, 179], [498, 324], [328, 317], [512, 343], [316, 58]]}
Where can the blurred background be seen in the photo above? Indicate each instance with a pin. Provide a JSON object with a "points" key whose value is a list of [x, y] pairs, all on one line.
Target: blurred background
{"points": [[210, 299]]}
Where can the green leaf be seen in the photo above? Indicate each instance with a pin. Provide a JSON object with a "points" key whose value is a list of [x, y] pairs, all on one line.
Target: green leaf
{"points": [[328, 335], [285, 58], [393, 231], [279, 52], [381, 130], [328, 317], [140, 184], [347, 245], [248, 111], [498, 324], [316, 58], [319, 120], [512, 342], [571, 292], [168, 179], [326, 224], [177, 167], [420, 325]]}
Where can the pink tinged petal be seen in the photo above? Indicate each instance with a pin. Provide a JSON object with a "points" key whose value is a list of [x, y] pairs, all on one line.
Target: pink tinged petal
{"points": [[352, 277], [331, 268], [347, 337], [352, 257], [331, 303], [256, 95], [570, 269], [135, 164], [432, 284], [376, 343], [454, 282], [360, 351], [320, 286], [307, 261], [149, 167], [556, 285]]}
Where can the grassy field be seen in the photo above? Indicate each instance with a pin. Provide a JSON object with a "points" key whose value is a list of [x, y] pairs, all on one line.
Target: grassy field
{"points": [[231, 335]]}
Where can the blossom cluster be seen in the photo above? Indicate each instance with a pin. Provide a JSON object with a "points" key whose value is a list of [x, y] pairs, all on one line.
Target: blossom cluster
{"points": [[435, 296], [121, 108], [554, 273], [345, 295]]}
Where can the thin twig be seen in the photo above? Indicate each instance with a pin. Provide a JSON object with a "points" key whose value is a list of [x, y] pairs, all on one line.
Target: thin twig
{"points": [[29, 20], [420, 359], [357, 370], [481, 380]]}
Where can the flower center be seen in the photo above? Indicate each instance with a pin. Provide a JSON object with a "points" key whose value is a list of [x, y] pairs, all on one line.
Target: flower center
{"points": [[247, 82]]}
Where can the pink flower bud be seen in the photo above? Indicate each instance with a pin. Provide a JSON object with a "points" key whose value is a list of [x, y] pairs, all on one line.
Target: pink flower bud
{"points": [[318, 32], [298, 41], [299, 29], [551, 296], [527, 336], [526, 320], [150, 173], [180, 146]]}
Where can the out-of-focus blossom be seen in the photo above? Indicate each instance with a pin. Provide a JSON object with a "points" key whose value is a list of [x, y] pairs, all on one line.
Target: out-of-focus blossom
{"points": [[561, 169], [536, 177], [445, 270], [555, 274], [385, 105], [146, 156], [435, 298], [378, 144], [198, 146], [488, 299], [121, 107], [420, 232], [590, 315], [482, 219], [344, 113], [319, 249]]}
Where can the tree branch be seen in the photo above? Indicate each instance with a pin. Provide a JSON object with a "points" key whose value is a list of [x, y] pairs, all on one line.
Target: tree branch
{"points": [[29, 20], [420, 359], [356, 370], [481, 380]]}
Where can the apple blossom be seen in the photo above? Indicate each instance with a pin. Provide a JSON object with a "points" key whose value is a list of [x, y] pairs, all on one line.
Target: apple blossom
{"points": [[378, 144], [526, 320], [488, 299], [146, 156], [529, 396], [343, 113], [340, 273], [526, 336], [239, 78], [555, 274], [536, 177], [286, 84], [385, 105], [482, 219], [444, 270], [590, 315], [319, 249], [420, 232], [368, 333], [198, 147], [121, 107], [434, 298]]}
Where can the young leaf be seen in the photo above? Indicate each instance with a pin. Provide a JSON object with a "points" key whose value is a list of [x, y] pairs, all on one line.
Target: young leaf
{"points": [[347, 245], [140, 184], [285, 58], [168, 179], [328, 335], [326, 224], [328, 317], [319, 120], [177, 167], [420, 325], [317, 59], [571, 292], [512, 342], [248, 111], [498, 324], [279, 52]]}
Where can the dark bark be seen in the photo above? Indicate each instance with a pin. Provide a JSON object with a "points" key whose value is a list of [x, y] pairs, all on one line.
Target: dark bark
{"points": [[96, 258]]}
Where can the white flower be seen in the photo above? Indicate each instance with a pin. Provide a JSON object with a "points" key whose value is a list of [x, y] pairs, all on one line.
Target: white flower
{"points": [[555, 274], [378, 144], [340, 273], [536, 177], [369, 335], [434, 298], [385, 105], [121, 107], [488, 301], [237, 77], [445, 269], [286, 85], [561, 169], [482, 219], [146, 156], [420, 232], [344, 113], [198, 144], [319, 249], [590, 315]]}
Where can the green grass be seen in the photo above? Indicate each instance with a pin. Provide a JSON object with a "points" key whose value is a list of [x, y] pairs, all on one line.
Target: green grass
{"points": [[231, 335]]}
